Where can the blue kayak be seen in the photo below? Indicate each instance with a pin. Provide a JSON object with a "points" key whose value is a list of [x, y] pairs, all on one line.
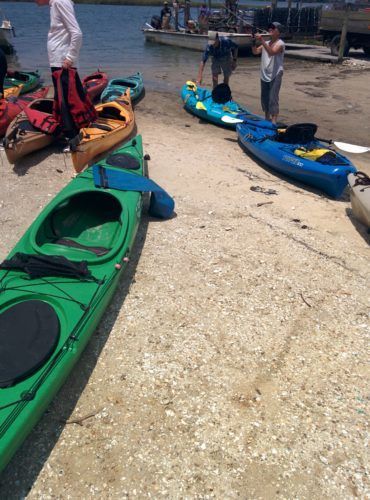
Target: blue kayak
{"points": [[295, 152], [118, 86], [199, 102]]}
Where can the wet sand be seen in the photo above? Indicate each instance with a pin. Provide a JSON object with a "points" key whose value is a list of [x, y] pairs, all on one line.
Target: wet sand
{"points": [[232, 360]]}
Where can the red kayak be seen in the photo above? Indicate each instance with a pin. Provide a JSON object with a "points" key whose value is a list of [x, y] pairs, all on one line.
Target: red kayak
{"points": [[95, 84], [10, 107]]}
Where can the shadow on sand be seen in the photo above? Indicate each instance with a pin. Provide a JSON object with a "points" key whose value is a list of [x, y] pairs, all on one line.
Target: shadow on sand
{"points": [[360, 228]]}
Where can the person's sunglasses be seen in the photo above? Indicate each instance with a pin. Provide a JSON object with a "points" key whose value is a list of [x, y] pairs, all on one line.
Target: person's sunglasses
{"points": [[272, 28]]}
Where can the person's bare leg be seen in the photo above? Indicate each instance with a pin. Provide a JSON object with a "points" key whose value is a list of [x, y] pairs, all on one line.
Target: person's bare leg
{"points": [[215, 80], [226, 80], [274, 118]]}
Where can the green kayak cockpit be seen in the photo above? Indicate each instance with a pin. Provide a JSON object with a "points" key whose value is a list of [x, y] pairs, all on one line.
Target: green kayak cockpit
{"points": [[88, 225]]}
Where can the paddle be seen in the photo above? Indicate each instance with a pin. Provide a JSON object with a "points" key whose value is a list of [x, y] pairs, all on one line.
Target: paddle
{"points": [[351, 148], [231, 120]]}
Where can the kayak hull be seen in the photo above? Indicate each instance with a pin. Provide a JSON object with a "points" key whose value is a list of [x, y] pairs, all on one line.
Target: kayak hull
{"points": [[11, 107], [198, 101], [114, 124], [118, 86], [21, 138], [29, 80], [259, 142], [78, 304], [360, 198], [94, 84]]}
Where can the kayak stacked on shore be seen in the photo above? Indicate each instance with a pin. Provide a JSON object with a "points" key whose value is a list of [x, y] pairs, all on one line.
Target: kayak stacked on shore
{"points": [[12, 106], [72, 256], [94, 84], [58, 280], [295, 152], [114, 123], [118, 86], [23, 138], [27, 80], [206, 105], [359, 190]]}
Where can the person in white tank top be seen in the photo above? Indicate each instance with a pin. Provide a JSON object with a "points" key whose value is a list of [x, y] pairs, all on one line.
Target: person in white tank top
{"points": [[272, 58]]}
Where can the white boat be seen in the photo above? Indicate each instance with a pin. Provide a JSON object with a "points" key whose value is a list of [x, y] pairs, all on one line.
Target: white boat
{"points": [[6, 31], [193, 41]]}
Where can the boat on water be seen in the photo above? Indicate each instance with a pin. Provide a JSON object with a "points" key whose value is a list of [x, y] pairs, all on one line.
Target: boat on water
{"points": [[7, 31], [57, 283], [193, 41]]}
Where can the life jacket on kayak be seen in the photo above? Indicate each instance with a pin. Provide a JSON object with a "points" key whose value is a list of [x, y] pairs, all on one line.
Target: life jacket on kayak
{"points": [[45, 122], [322, 155], [79, 105]]}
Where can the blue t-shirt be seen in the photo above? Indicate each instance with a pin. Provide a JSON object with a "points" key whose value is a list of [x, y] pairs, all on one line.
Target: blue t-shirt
{"points": [[223, 50]]}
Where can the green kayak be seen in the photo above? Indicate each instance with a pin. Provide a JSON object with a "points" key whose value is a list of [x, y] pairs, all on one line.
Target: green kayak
{"points": [[118, 86], [56, 284], [29, 79]]}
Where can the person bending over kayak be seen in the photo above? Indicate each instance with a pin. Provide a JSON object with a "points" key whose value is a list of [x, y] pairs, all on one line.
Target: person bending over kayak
{"points": [[64, 43], [272, 58], [224, 53]]}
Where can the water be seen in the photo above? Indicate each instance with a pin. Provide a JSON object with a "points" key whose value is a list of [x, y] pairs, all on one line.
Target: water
{"points": [[112, 41]]}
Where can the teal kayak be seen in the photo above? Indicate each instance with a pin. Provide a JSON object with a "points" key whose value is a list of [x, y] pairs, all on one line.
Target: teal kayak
{"points": [[199, 102], [28, 79], [118, 86], [56, 284]]}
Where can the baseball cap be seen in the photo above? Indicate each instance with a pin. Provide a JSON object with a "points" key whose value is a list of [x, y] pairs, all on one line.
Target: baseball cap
{"points": [[212, 37], [277, 26]]}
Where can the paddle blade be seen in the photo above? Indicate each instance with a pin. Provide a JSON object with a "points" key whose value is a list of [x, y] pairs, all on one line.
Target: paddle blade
{"points": [[201, 106], [351, 148], [231, 120]]}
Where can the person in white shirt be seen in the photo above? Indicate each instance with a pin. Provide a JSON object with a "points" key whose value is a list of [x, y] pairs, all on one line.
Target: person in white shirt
{"points": [[63, 45], [272, 58]]}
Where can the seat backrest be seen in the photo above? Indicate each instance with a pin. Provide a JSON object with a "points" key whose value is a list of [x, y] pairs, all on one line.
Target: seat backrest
{"points": [[299, 133]]}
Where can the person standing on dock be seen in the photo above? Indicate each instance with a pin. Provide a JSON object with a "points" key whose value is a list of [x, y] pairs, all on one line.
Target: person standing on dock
{"points": [[224, 54], [272, 58]]}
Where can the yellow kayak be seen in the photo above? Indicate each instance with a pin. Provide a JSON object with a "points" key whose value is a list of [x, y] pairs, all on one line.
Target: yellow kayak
{"points": [[13, 91], [113, 125]]}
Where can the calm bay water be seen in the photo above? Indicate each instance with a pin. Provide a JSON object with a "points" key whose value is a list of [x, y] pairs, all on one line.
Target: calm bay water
{"points": [[112, 41]]}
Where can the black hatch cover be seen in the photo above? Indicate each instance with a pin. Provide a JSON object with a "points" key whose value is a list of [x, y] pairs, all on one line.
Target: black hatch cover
{"points": [[29, 333], [123, 160]]}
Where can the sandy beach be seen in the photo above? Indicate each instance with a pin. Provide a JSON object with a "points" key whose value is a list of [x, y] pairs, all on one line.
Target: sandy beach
{"points": [[233, 360]]}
